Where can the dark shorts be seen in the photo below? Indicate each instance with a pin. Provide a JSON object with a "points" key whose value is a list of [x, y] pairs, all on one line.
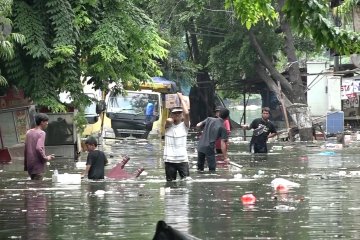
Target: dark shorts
{"points": [[171, 170], [210, 157], [36, 177], [258, 148], [218, 151]]}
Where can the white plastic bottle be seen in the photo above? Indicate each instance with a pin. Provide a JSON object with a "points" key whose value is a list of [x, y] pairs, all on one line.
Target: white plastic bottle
{"points": [[55, 176]]}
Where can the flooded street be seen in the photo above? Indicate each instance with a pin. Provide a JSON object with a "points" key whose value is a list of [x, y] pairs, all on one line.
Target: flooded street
{"points": [[326, 204]]}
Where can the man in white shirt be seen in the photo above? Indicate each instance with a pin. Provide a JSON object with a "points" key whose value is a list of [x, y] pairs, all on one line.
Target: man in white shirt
{"points": [[175, 152]]}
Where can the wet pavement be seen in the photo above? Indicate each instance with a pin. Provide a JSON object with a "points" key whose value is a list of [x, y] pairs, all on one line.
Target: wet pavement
{"points": [[325, 205]]}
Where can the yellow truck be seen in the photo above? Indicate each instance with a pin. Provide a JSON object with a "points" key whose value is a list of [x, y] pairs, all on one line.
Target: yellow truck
{"points": [[136, 113]]}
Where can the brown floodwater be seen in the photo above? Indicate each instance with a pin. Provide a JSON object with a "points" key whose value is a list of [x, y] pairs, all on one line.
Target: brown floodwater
{"points": [[325, 205]]}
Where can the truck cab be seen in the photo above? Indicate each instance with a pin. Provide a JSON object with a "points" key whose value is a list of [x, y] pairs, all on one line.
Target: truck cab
{"points": [[134, 113]]}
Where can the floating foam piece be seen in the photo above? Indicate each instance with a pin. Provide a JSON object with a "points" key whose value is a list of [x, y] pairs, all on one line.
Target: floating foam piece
{"points": [[66, 178], [80, 165]]}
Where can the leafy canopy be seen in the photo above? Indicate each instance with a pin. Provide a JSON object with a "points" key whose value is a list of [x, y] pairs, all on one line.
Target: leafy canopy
{"points": [[68, 42], [308, 17]]}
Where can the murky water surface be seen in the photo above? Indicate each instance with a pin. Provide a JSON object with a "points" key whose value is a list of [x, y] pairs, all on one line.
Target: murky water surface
{"points": [[325, 206]]}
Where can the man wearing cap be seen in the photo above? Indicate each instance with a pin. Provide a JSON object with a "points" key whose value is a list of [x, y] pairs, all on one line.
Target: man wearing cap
{"points": [[263, 130], [213, 129], [175, 152]]}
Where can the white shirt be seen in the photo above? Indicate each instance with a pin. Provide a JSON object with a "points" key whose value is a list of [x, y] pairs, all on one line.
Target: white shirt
{"points": [[175, 143]]}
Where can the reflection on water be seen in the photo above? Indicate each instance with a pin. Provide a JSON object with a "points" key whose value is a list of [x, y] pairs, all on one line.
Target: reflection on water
{"points": [[326, 205], [36, 215]]}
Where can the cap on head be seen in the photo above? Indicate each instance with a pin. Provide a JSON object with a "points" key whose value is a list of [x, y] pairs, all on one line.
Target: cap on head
{"points": [[175, 110], [218, 108]]}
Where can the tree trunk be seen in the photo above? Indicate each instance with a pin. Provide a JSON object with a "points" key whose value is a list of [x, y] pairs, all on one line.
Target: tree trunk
{"points": [[201, 99], [298, 94], [201, 96], [286, 86], [303, 114], [300, 114]]}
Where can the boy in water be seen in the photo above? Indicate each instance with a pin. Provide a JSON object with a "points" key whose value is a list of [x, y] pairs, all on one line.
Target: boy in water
{"points": [[95, 162]]}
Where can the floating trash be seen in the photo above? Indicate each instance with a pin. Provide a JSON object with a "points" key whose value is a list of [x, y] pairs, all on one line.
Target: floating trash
{"points": [[283, 185], [66, 178], [277, 148], [327, 153], [284, 208], [238, 176], [303, 158], [248, 199]]}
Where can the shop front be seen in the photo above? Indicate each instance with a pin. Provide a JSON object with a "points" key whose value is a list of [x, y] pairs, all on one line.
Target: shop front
{"points": [[15, 112]]}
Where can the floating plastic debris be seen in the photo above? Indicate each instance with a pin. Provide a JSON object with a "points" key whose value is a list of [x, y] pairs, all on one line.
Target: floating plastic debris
{"points": [[303, 158], [66, 178], [333, 146], [238, 176], [277, 148], [283, 185], [99, 193], [284, 208], [80, 165], [248, 199], [327, 153]]}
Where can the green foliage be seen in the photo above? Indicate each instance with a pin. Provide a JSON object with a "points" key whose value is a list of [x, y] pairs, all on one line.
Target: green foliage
{"points": [[80, 121], [251, 12], [347, 6], [65, 40], [27, 20], [7, 38], [310, 18]]}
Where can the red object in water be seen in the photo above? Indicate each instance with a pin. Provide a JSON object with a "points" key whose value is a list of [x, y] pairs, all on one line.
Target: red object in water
{"points": [[248, 199], [118, 173], [303, 158], [282, 188]]}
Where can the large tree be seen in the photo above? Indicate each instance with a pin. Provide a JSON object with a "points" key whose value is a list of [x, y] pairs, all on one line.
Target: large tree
{"points": [[70, 41], [306, 17]]}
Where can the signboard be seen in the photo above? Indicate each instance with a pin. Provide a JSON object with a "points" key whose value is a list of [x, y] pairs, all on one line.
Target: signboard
{"points": [[21, 124], [347, 88]]}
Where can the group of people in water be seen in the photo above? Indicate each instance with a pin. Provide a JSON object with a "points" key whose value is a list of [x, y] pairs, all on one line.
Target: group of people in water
{"points": [[213, 139]]}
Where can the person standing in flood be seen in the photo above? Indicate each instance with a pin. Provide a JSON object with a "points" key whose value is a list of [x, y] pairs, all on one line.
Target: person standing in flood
{"points": [[227, 127], [34, 153], [175, 152], [95, 162], [213, 129], [263, 130]]}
